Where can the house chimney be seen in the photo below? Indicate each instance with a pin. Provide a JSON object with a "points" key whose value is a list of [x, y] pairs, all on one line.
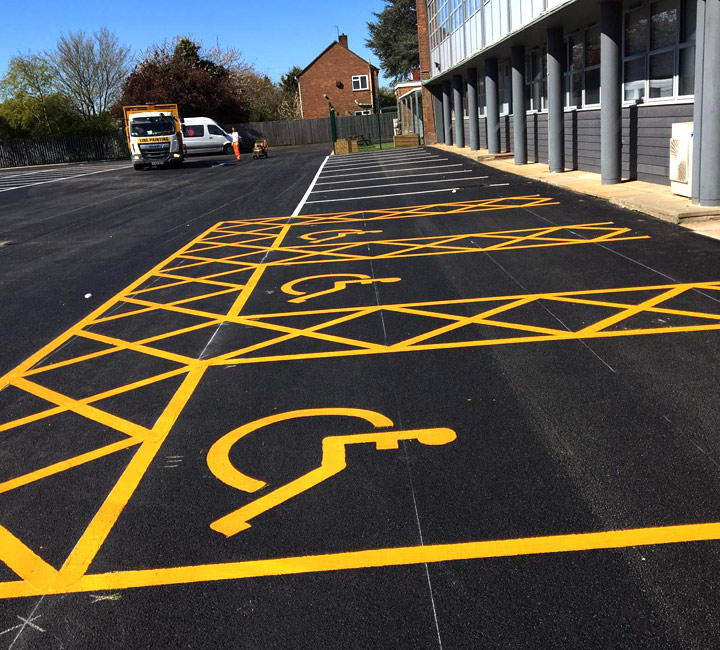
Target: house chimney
{"points": [[342, 39]]}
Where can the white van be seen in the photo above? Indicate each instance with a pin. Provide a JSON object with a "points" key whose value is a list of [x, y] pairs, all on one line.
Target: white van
{"points": [[203, 135]]}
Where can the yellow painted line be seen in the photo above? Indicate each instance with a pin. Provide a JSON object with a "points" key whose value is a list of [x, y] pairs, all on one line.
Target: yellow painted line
{"points": [[104, 520], [376, 558]]}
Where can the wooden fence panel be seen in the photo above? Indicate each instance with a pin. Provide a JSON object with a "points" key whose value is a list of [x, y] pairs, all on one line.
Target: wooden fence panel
{"points": [[315, 131]]}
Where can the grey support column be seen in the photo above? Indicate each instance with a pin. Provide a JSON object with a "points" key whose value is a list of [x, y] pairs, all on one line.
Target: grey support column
{"points": [[459, 111], [447, 122], [438, 112], [556, 111], [706, 139], [611, 84], [473, 109], [416, 115], [492, 115], [518, 99]]}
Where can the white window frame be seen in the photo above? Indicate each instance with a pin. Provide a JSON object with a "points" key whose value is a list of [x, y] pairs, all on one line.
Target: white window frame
{"points": [[581, 71], [646, 55], [359, 78], [364, 112], [532, 79]]}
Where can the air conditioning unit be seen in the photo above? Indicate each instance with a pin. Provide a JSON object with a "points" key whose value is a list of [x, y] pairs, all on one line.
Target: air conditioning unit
{"points": [[681, 159]]}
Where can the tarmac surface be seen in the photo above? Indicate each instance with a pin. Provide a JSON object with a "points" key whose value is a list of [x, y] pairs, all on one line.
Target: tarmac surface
{"points": [[438, 407]]}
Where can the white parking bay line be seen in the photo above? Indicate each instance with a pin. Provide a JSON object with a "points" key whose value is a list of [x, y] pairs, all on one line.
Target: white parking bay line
{"points": [[376, 167], [309, 189], [352, 160], [372, 187], [381, 154], [381, 163], [63, 178], [392, 171], [383, 196], [388, 178]]}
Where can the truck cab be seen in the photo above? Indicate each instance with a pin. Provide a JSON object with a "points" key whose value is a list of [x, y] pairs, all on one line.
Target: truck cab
{"points": [[154, 135]]}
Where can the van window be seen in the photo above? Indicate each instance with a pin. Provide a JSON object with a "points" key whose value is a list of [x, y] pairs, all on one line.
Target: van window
{"points": [[193, 130], [215, 130]]}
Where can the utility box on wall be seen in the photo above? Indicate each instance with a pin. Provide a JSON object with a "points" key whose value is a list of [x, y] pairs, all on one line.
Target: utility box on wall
{"points": [[681, 155]]}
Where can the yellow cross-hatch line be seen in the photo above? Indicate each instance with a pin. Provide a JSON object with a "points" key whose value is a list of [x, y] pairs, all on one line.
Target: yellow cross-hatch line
{"points": [[227, 263]]}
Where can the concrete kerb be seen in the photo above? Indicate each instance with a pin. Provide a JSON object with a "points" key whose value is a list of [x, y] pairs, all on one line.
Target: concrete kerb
{"points": [[649, 198]]}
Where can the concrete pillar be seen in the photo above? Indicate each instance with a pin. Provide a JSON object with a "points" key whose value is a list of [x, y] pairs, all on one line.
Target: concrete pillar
{"points": [[438, 112], [473, 109], [611, 84], [416, 114], [555, 102], [518, 99], [459, 111], [706, 139], [447, 122], [492, 113]]}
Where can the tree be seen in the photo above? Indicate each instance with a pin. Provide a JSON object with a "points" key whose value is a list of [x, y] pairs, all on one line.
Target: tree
{"points": [[28, 85], [394, 38], [90, 70], [176, 73], [289, 81], [386, 97]]}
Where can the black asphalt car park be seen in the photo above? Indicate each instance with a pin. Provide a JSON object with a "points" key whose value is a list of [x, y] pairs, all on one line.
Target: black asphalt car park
{"points": [[387, 400]]}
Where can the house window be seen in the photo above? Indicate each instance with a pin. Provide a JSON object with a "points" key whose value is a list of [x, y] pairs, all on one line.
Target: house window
{"points": [[659, 50], [360, 82], [536, 80], [582, 79], [365, 112]]}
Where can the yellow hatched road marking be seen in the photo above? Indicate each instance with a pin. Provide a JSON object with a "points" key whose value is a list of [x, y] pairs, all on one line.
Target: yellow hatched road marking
{"points": [[239, 241]]}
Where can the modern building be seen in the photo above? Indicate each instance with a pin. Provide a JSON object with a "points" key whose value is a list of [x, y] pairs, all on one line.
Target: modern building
{"points": [[579, 84], [408, 95], [341, 77]]}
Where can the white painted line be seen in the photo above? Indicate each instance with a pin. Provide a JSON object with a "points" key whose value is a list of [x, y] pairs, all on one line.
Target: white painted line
{"points": [[415, 162], [392, 171], [498, 185], [383, 196], [309, 189], [372, 187], [387, 178], [65, 178], [378, 163], [389, 152], [352, 159]]}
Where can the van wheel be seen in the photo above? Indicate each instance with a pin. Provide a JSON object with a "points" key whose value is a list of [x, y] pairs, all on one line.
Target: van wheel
{"points": [[227, 149]]}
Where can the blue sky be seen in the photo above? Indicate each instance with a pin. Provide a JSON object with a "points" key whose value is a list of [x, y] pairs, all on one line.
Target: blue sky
{"points": [[274, 35]]}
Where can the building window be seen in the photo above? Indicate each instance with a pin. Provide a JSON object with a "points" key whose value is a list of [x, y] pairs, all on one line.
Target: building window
{"points": [[582, 79], [659, 50], [536, 79], [360, 82]]}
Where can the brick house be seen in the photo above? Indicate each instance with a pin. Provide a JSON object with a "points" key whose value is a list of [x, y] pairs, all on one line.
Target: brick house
{"points": [[349, 81]]}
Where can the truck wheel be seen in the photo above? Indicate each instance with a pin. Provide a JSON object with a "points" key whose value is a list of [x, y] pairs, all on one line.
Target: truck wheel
{"points": [[139, 168]]}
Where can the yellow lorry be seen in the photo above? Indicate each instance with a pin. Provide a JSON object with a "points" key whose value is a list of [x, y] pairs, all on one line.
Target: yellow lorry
{"points": [[154, 135]]}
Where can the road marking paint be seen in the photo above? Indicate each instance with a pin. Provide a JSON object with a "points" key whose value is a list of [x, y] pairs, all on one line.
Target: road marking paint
{"points": [[385, 196], [245, 246], [65, 178], [300, 205], [387, 178], [333, 459], [414, 162], [379, 162], [392, 171], [370, 187]]}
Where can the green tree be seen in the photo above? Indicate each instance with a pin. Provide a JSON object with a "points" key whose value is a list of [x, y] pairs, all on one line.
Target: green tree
{"points": [[289, 81], [394, 38], [386, 97], [176, 73], [28, 85]]}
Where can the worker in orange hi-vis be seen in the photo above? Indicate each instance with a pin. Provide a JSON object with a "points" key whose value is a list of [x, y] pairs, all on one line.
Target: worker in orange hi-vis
{"points": [[236, 143]]}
